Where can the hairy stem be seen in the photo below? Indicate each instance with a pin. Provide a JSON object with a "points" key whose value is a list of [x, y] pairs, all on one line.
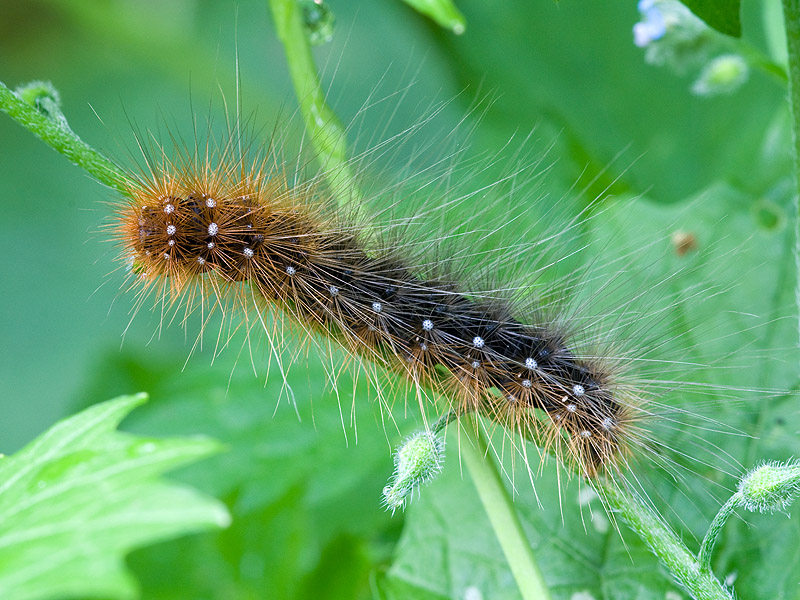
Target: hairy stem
{"points": [[329, 139], [502, 515], [330, 143], [699, 582], [791, 19], [707, 547], [56, 133]]}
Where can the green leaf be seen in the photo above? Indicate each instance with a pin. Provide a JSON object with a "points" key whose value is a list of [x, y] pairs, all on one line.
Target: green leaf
{"points": [[722, 15], [579, 551], [304, 488], [81, 495], [443, 12], [448, 546]]}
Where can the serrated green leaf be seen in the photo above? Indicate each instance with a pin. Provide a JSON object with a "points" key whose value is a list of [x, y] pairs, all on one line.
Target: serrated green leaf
{"points": [[75, 500], [305, 498], [722, 15], [573, 70]]}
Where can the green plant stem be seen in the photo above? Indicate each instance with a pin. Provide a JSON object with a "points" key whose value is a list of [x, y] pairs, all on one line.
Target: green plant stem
{"points": [[791, 20], [699, 582], [330, 143], [757, 59], [325, 130], [61, 138], [443, 421], [707, 547], [500, 510], [754, 57], [329, 140]]}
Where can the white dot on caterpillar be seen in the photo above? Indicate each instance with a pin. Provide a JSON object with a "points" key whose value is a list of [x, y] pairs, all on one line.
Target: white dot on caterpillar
{"points": [[586, 434], [201, 260], [333, 290], [423, 347], [290, 271], [608, 424], [171, 243], [169, 209], [166, 255], [530, 364], [248, 252], [526, 383], [578, 389], [377, 307], [476, 364], [210, 202], [213, 229], [427, 324], [572, 408], [210, 245], [478, 341], [171, 229]]}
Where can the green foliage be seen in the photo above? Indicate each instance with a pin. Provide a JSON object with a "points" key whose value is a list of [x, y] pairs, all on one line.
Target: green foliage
{"points": [[722, 15], [79, 497], [306, 507], [304, 497], [443, 12]]}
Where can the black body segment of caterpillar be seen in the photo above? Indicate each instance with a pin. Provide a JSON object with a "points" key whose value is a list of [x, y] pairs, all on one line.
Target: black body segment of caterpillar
{"points": [[187, 223]]}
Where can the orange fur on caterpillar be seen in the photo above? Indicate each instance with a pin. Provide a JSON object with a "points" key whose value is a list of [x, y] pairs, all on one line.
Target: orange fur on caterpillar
{"points": [[213, 225]]}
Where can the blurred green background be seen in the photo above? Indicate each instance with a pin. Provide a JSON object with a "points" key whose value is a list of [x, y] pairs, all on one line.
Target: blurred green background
{"points": [[305, 496]]}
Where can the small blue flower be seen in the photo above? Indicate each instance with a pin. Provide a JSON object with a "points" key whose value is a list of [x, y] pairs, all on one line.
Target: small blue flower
{"points": [[652, 26]]}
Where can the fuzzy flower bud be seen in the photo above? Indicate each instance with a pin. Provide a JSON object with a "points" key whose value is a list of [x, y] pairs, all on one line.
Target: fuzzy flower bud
{"points": [[723, 75], [770, 486], [418, 460], [45, 98]]}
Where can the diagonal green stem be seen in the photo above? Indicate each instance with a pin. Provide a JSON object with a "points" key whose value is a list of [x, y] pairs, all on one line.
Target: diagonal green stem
{"points": [[329, 139], [707, 547], [57, 134], [699, 582]]}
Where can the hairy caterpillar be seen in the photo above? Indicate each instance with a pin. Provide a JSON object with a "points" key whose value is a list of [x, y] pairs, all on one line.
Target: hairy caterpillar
{"points": [[588, 455], [487, 286], [321, 199], [229, 224]]}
